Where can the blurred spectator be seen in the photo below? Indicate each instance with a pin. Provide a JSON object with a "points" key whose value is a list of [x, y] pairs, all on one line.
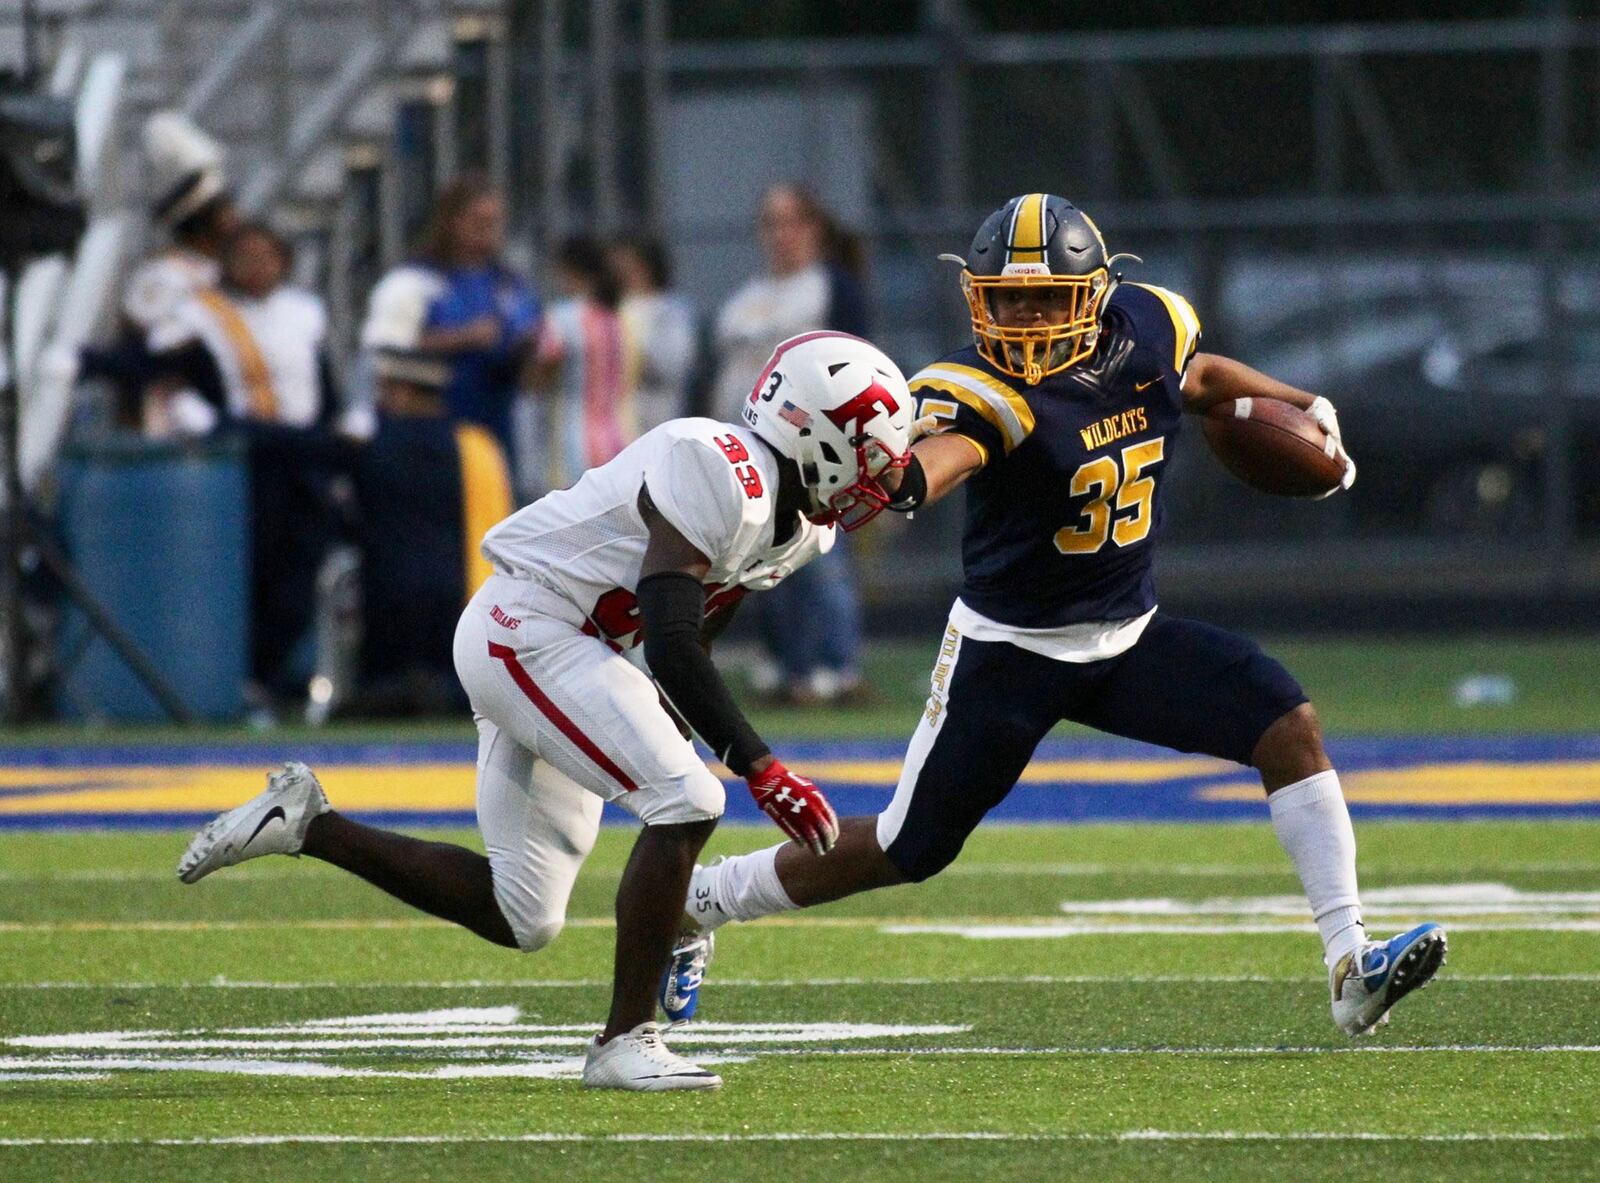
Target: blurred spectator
{"points": [[582, 366], [427, 490], [250, 355], [252, 349], [813, 281], [659, 325], [811, 622], [193, 206], [458, 300]]}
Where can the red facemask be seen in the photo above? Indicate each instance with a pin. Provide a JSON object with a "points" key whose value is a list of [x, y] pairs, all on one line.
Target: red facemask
{"points": [[855, 506]]}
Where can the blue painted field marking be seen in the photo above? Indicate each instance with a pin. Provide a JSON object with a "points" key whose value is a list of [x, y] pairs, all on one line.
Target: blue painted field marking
{"points": [[1169, 798]]}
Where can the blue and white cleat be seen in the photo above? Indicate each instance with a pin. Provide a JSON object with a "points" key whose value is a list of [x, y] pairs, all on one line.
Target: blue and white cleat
{"points": [[1366, 983], [680, 985]]}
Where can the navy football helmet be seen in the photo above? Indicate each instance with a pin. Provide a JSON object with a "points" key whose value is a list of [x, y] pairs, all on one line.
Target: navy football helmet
{"points": [[1037, 239]]}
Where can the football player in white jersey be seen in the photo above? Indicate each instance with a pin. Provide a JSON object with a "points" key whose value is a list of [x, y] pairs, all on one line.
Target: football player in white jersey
{"points": [[646, 556]]}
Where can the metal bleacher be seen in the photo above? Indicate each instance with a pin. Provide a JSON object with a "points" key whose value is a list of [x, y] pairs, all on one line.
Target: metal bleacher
{"points": [[304, 95], [318, 104]]}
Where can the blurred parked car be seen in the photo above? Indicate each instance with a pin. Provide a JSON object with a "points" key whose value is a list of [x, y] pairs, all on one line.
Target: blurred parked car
{"points": [[1446, 375]]}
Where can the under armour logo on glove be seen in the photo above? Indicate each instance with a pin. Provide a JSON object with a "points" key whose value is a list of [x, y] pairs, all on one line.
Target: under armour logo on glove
{"points": [[797, 807], [784, 797]]}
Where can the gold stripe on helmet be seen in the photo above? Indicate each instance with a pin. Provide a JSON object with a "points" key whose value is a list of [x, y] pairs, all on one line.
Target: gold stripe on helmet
{"points": [[1025, 243]]}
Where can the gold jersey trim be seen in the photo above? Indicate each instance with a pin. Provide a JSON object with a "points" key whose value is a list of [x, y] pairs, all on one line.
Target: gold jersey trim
{"points": [[1003, 408], [1185, 324], [253, 369]]}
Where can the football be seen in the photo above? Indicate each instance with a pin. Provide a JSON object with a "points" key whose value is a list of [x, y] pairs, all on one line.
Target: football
{"points": [[1273, 447]]}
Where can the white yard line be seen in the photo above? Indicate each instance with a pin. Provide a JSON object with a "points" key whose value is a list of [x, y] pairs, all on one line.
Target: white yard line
{"points": [[1371, 1049], [826, 1136], [55, 1050], [56, 926], [1283, 869], [1029, 930], [760, 983], [983, 926], [978, 869], [348, 923], [272, 1060]]}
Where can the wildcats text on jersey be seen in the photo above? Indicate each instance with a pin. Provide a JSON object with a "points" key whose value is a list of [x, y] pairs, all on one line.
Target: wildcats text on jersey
{"points": [[1114, 427]]}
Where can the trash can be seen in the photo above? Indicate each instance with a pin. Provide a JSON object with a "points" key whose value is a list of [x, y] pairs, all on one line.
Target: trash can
{"points": [[159, 534]]}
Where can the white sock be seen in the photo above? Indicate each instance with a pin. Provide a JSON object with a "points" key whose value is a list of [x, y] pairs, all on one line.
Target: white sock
{"points": [[744, 887], [1313, 825]]}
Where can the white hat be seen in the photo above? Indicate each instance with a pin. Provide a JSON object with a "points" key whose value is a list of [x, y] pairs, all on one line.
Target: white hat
{"points": [[185, 167], [398, 308]]}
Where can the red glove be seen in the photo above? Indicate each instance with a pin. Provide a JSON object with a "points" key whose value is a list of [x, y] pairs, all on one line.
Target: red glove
{"points": [[796, 805]]}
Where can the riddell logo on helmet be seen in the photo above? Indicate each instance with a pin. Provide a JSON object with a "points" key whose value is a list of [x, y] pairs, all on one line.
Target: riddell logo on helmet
{"points": [[862, 407]]}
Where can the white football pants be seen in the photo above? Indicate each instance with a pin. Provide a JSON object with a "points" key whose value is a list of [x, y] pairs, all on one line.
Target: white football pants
{"points": [[564, 723]]}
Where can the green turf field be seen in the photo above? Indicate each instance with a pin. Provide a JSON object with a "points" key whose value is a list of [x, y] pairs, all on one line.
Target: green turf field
{"points": [[853, 1044], [1366, 684]]}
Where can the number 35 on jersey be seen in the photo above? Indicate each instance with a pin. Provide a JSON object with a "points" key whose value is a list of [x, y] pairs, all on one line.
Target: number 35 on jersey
{"points": [[1120, 509]]}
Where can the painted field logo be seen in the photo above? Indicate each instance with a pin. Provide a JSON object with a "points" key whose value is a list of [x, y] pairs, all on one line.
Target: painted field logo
{"points": [[446, 1044]]}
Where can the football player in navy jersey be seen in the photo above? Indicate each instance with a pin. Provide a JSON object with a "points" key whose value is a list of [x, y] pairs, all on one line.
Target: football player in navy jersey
{"points": [[1060, 419]]}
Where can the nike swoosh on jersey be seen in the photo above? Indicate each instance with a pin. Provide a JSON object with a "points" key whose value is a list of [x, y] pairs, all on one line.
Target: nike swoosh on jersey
{"points": [[1138, 386]]}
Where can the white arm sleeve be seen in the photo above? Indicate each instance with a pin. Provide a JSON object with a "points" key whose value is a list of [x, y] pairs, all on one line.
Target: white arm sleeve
{"points": [[695, 487]]}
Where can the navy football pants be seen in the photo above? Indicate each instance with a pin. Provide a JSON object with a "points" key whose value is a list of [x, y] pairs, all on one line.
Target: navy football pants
{"points": [[1184, 685]]}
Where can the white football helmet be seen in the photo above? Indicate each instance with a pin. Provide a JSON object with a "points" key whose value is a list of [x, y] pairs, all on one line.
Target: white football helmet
{"points": [[839, 408]]}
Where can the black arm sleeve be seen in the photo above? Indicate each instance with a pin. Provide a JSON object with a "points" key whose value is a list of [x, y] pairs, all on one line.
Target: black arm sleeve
{"points": [[913, 488], [671, 604]]}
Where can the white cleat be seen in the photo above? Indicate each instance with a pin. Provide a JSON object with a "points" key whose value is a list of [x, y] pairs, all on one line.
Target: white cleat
{"points": [[1366, 983], [640, 1062], [273, 822]]}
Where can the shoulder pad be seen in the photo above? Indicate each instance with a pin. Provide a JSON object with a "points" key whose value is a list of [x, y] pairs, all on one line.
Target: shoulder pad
{"points": [[709, 486], [1159, 311], [980, 390]]}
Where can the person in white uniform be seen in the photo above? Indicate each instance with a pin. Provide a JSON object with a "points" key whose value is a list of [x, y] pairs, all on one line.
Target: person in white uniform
{"points": [[193, 204], [646, 555]]}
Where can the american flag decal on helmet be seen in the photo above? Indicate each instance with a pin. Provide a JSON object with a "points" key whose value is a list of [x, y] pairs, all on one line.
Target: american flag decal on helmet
{"points": [[790, 413]]}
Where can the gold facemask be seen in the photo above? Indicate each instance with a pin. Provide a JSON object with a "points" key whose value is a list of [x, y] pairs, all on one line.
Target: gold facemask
{"points": [[1033, 354]]}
